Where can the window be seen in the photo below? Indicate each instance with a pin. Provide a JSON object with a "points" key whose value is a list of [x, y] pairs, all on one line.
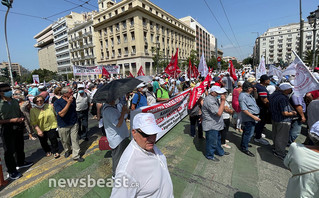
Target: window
{"points": [[132, 22], [118, 39], [133, 49], [125, 38], [119, 53], [124, 24], [123, 9], [132, 36], [115, 12], [106, 43]]}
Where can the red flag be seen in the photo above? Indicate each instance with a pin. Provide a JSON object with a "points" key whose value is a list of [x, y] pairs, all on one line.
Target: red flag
{"points": [[190, 69], [131, 75], [35, 81], [195, 71], [105, 73], [198, 91], [16, 83], [140, 72], [172, 68], [232, 71]]}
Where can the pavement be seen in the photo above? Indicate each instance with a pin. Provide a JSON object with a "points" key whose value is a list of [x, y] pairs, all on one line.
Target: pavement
{"points": [[236, 175]]}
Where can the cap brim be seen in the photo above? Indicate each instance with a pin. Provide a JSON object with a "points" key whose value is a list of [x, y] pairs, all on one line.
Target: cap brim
{"points": [[151, 129]]}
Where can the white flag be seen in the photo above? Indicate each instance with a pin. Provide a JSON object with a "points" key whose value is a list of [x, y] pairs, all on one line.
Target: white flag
{"points": [[304, 81], [202, 67], [274, 71], [261, 70], [291, 69]]}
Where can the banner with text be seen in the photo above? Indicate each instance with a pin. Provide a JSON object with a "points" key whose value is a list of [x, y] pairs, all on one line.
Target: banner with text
{"points": [[95, 70], [167, 114]]}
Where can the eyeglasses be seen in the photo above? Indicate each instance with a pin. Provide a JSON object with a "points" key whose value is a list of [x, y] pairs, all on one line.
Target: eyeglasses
{"points": [[39, 101], [142, 133]]}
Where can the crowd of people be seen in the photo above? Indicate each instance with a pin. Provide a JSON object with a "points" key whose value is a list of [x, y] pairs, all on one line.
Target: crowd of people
{"points": [[60, 112]]}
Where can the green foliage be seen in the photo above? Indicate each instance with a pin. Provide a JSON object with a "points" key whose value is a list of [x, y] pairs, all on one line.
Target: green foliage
{"points": [[158, 59], [308, 58], [212, 62], [194, 58], [248, 60]]}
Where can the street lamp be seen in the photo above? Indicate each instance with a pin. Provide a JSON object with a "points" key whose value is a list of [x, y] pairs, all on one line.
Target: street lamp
{"points": [[312, 20], [8, 3]]}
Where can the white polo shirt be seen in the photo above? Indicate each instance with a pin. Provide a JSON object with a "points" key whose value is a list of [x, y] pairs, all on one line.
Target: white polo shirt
{"points": [[146, 174]]}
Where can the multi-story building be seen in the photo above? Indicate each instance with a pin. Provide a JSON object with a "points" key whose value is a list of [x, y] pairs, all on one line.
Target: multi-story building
{"points": [[277, 43], [46, 49], [203, 37], [129, 32], [81, 42], [213, 47], [228, 58], [60, 32], [16, 67]]}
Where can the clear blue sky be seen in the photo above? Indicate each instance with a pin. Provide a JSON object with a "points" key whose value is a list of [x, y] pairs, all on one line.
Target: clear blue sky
{"points": [[245, 16]]}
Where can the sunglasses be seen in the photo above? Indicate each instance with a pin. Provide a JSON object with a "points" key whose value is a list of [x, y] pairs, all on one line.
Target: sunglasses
{"points": [[39, 101], [142, 133]]}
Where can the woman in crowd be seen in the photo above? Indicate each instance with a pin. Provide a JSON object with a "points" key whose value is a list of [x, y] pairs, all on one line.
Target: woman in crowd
{"points": [[43, 119], [235, 105], [57, 94], [303, 162], [226, 116]]}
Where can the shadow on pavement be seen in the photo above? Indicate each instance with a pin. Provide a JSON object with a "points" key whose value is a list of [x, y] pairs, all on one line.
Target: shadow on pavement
{"points": [[242, 195], [267, 156]]}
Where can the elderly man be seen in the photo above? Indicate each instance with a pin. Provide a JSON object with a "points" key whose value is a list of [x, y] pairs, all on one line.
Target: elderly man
{"points": [[213, 123], [139, 98], [282, 114], [34, 91], [12, 129], [65, 108], [249, 116], [228, 82], [143, 167], [82, 100], [116, 130]]}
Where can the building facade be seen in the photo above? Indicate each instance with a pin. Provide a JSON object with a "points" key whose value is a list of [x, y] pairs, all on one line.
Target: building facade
{"points": [[60, 33], [204, 41], [128, 33], [81, 42], [46, 49], [16, 67], [277, 43]]}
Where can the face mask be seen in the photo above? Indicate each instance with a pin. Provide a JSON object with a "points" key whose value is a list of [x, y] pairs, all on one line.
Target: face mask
{"points": [[81, 91], [218, 97], [39, 106], [8, 94]]}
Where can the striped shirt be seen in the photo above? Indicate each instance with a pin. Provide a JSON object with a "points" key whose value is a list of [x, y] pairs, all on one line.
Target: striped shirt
{"points": [[262, 93], [278, 103]]}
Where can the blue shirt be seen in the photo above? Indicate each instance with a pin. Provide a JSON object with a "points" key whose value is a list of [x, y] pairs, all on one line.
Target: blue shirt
{"points": [[278, 103], [248, 102], [34, 92], [115, 135], [142, 102], [70, 118]]}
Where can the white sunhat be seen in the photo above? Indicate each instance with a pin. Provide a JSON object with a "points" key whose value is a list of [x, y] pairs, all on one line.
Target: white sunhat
{"points": [[285, 86], [147, 123], [80, 86]]}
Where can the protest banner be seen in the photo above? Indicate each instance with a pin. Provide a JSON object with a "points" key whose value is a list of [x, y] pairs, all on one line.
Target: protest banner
{"points": [[274, 71], [167, 114], [95, 70], [36, 79]]}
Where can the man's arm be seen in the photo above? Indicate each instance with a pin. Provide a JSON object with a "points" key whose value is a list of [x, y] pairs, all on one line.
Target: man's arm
{"points": [[300, 111], [121, 119], [12, 120], [256, 118], [66, 108]]}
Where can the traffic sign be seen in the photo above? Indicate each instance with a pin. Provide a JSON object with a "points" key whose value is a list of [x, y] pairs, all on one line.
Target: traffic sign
{"points": [[218, 59]]}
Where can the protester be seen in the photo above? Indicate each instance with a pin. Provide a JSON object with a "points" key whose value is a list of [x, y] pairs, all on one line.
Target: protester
{"points": [[281, 113], [236, 106], [139, 98], [116, 130], [195, 115], [173, 88], [83, 102], [263, 104], [150, 95], [226, 117], [228, 82], [143, 163], [34, 91], [25, 107], [57, 94], [43, 119], [162, 93], [44, 93], [213, 123], [65, 108], [303, 163], [156, 84], [12, 128], [249, 115]]}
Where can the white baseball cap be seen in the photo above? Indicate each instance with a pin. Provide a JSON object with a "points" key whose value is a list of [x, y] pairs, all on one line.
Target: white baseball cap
{"points": [[162, 82], [147, 123], [223, 90], [141, 85], [285, 86], [216, 89]]}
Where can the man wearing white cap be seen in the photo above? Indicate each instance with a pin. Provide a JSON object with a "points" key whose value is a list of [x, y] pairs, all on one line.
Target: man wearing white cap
{"points": [[213, 123], [162, 93], [142, 170], [282, 114], [139, 98]]}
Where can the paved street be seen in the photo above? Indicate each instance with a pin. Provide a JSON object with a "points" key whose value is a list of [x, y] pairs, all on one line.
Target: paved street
{"points": [[236, 175]]}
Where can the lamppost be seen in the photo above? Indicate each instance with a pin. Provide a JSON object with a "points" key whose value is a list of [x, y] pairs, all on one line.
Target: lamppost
{"points": [[312, 20], [8, 3]]}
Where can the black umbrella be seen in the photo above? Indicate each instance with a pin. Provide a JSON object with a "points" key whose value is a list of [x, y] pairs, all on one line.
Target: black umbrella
{"points": [[115, 89]]}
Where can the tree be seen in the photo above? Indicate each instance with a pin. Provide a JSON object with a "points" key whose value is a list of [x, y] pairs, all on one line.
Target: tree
{"points": [[194, 57], [248, 60], [158, 59], [309, 57]]}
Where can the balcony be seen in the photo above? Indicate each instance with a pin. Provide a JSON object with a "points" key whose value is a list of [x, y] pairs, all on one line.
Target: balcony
{"points": [[146, 52], [133, 53]]}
